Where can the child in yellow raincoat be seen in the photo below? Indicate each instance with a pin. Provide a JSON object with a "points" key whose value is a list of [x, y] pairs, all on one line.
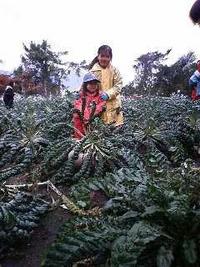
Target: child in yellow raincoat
{"points": [[111, 85]]}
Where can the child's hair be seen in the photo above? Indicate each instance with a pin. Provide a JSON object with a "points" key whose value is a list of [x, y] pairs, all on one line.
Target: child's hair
{"points": [[84, 87], [102, 49], [11, 83], [195, 12]]}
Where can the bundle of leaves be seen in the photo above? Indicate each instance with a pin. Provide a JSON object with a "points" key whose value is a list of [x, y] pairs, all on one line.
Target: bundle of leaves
{"points": [[56, 117], [19, 216], [96, 153], [164, 132], [27, 129], [145, 222], [21, 144], [170, 126]]}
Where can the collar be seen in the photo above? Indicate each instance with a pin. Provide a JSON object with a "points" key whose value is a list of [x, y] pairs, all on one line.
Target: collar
{"points": [[97, 67], [87, 93]]}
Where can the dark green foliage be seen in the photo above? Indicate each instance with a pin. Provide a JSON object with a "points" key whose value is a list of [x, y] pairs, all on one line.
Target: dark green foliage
{"points": [[147, 66], [158, 79], [165, 125], [144, 172], [162, 132], [151, 207], [45, 68], [28, 129], [44, 65], [91, 240], [19, 216], [99, 152], [148, 222]]}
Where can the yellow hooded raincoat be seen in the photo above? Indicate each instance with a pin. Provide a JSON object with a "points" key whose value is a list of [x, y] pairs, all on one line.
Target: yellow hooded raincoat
{"points": [[111, 83]]}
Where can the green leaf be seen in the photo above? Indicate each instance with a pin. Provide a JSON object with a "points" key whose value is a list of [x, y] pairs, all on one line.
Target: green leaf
{"points": [[190, 251], [173, 149], [151, 210], [127, 249], [82, 203], [165, 257], [128, 215]]}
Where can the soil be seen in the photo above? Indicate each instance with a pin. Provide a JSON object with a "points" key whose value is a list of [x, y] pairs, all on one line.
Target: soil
{"points": [[32, 253]]}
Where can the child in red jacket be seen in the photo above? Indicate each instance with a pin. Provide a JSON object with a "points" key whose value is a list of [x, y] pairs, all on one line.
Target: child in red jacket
{"points": [[194, 83], [90, 104]]}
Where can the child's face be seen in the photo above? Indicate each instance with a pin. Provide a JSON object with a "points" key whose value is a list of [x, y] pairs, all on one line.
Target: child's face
{"points": [[104, 59], [92, 87]]}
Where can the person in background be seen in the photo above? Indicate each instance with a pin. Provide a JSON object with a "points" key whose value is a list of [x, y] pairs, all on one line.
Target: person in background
{"points": [[195, 12], [111, 85], [8, 96], [88, 105], [194, 83]]}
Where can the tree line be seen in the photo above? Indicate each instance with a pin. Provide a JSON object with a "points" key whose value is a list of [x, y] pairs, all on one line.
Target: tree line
{"points": [[154, 77], [44, 71]]}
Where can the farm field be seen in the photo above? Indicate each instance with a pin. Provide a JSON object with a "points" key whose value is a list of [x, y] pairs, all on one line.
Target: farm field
{"points": [[124, 196]]}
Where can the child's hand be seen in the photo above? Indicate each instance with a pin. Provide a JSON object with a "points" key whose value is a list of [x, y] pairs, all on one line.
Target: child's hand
{"points": [[104, 96]]}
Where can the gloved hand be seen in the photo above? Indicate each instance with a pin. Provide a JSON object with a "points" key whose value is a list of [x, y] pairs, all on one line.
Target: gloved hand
{"points": [[104, 96]]}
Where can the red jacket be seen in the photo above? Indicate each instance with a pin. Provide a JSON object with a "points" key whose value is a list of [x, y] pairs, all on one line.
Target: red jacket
{"points": [[194, 95], [86, 108]]}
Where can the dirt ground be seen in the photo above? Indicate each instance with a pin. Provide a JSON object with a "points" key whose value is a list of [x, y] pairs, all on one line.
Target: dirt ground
{"points": [[31, 254]]}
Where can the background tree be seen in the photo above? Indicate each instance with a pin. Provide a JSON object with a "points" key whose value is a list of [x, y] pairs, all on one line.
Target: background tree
{"points": [[175, 78], [146, 68], [155, 78], [46, 67]]}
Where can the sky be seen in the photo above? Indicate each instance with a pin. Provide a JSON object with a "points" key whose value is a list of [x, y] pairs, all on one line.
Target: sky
{"points": [[130, 27]]}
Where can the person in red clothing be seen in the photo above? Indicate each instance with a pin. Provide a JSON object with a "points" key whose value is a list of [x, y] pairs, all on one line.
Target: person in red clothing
{"points": [[88, 105], [194, 83]]}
